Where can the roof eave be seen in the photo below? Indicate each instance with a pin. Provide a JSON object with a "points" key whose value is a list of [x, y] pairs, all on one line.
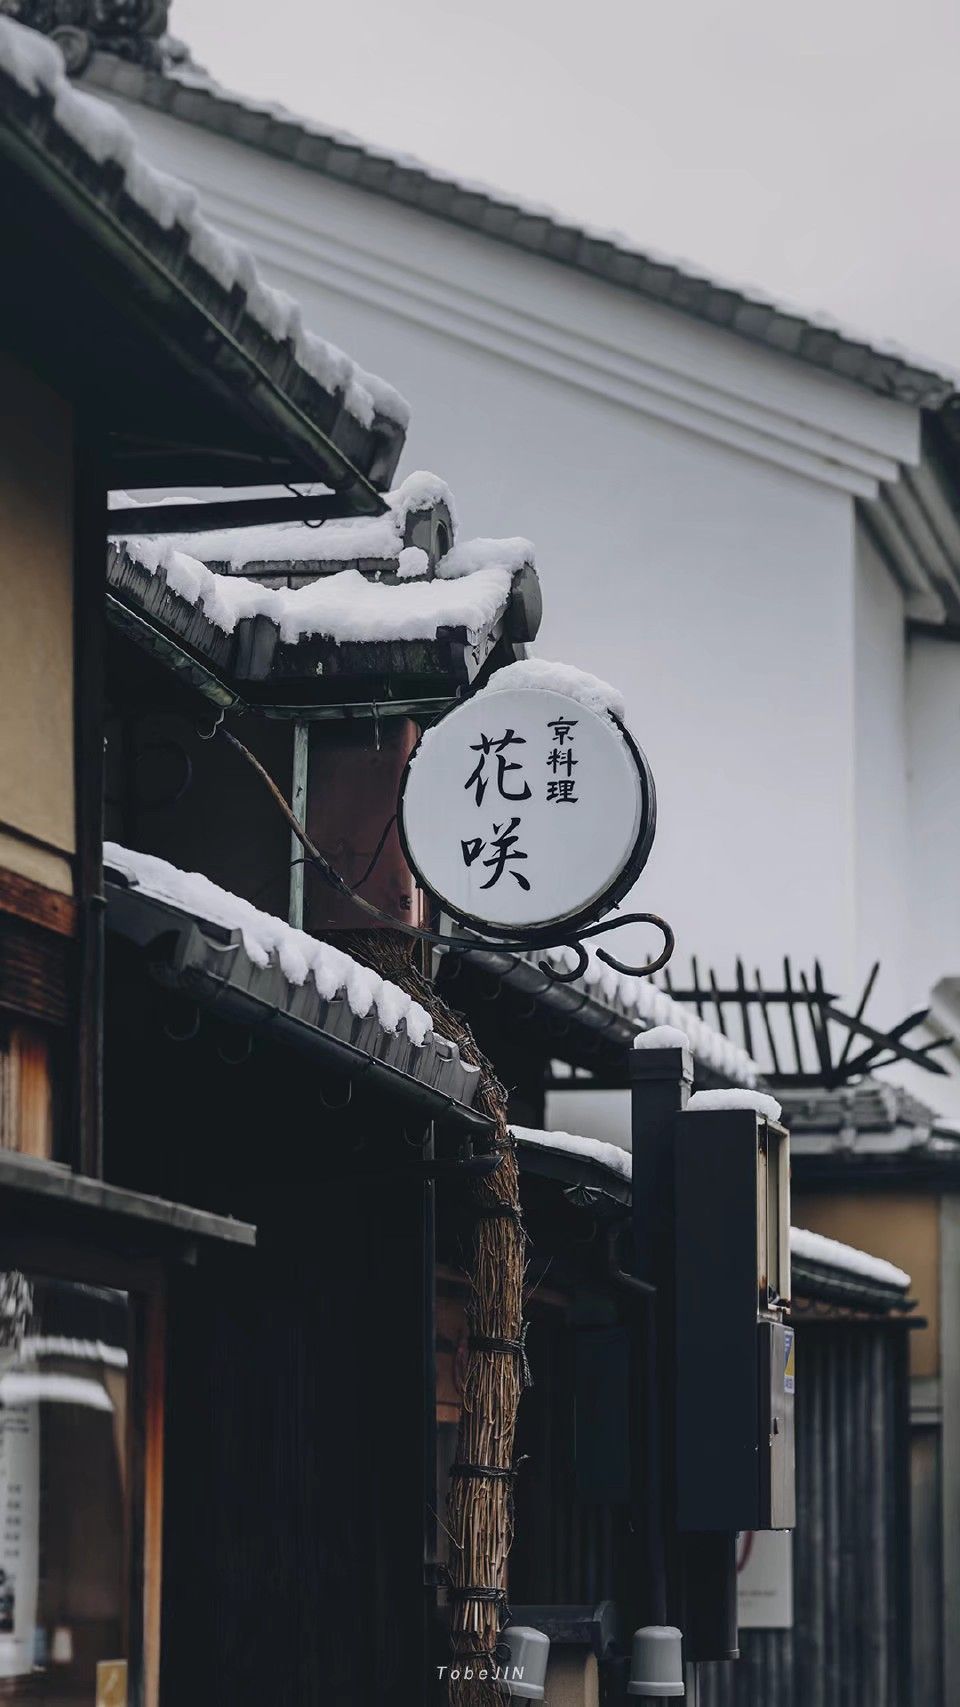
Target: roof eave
{"points": [[213, 966], [539, 232], [204, 328]]}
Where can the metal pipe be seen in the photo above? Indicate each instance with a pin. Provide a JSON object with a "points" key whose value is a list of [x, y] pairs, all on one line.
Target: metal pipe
{"points": [[298, 804]]}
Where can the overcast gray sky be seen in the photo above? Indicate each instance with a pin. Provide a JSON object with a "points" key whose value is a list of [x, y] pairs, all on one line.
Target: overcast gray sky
{"points": [[812, 151]]}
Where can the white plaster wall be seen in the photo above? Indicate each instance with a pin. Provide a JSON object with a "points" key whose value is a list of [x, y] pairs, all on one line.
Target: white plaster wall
{"points": [[933, 699], [881, 786], [692, 503]]}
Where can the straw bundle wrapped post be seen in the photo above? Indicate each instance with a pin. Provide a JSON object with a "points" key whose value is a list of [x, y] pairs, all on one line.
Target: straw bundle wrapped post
{"points": [[480, 1506]]}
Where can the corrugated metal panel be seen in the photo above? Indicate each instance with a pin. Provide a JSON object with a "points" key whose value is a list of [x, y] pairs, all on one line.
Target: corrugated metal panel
{"points": [[850, 1642]]}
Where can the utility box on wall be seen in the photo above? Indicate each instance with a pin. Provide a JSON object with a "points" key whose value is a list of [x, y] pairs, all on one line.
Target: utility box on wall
{"points": [[734, 1351]]}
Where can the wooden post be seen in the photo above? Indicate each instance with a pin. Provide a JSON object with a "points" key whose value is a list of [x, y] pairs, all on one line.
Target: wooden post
{"points": [[85, 1151], [660, 1081]]}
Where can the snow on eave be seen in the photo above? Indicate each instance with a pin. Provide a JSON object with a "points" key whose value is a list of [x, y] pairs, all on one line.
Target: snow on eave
{"points": [[267, 939], [742, 309], [639, 1000], [351, 539], [343, 607], [830, 1253], [590, 1149], [814, 1247], [36, 66]]}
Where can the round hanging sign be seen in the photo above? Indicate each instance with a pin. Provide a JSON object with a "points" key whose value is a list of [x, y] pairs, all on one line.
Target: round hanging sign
{"points": [[524, 810]]}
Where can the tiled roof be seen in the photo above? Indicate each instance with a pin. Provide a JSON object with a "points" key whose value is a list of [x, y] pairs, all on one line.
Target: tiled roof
{"points": [[598, 1177], [335, 422], [590, 1021], [265, 974], [873, 1105], [331, 637], [197, 99]]}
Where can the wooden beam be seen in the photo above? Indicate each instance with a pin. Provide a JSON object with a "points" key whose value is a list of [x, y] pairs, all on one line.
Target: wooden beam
{"points": [[37, 904], [235, 513]]}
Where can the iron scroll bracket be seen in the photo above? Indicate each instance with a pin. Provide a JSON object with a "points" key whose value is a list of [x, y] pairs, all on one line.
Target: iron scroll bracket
{"points": [[518, 944]]}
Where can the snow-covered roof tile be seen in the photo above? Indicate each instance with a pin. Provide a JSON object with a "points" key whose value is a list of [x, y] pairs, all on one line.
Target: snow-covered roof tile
{"points": [[265, 938], [260, 971], [808, 1247], [347, 606], [639, 1001], [355, 539], [744, 309], [817, 1248], [317, 629], [91, 146]]}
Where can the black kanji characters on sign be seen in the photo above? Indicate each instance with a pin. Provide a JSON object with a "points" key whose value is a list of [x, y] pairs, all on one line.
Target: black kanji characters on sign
{"points": [[500, 853], [503, 849], [487, 746], [562, 789]]}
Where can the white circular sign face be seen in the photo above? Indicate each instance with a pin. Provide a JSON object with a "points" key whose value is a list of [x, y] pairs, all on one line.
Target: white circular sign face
{"points": [[520, 809]]}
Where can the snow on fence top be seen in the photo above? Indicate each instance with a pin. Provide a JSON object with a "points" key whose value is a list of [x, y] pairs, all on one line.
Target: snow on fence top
{"points": [[345, 606], [300, 956], [703, 1101], [812, 1246], [352, 539], [638, 999], [36, 66]]}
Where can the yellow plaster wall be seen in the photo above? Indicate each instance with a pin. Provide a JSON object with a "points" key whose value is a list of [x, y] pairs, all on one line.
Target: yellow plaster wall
{"points": [[37, 821], [904, 1227]]}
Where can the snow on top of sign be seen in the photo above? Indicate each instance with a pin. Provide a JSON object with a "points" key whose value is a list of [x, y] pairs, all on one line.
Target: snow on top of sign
{"points": [[37, 66], [661, 1037], [345, 606], [354, 538], [813, 1246], [587, 690], [593, 1149], [300, 956], [638, 998], [702, 1102], [816, 1247]]}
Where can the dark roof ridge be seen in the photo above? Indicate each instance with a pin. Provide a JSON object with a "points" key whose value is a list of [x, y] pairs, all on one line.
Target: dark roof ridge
{"points": [[195, 98]]}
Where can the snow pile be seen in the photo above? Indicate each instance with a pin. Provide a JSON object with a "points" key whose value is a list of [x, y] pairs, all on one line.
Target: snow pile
{"points": [[476, 554], [816, 1247], [36, 65], [413, 564], [352, 539], [661, 1037], [596, 695], [638, 999], [703, 1102], [608, 1155], [300, 956], [344, 607]]}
